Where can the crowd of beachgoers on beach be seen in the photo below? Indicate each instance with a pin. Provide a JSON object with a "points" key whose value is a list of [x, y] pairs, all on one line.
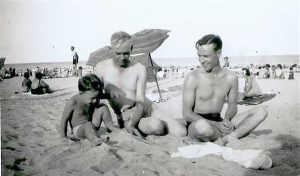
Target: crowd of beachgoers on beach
{"points": [[47, 73], [260, 71]]}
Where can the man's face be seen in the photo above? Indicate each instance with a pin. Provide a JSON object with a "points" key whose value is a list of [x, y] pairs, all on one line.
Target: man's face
{"points": [[122, 50], [72, 48], [208, 57]]}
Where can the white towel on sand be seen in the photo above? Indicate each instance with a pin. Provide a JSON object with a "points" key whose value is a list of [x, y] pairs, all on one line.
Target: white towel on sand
{"points": [[255, 159]]}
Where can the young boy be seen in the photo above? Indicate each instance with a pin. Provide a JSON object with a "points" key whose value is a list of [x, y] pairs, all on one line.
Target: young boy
{"points": [[26, 83], [84, 112]]}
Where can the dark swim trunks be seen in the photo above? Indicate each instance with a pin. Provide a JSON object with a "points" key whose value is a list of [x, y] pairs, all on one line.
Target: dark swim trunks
{"points": [[214, 117]]}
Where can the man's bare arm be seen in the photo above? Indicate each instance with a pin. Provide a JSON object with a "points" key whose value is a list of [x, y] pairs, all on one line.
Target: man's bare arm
{"points": [[188, 99], [66, 116], [140, 95], [232, 99]]}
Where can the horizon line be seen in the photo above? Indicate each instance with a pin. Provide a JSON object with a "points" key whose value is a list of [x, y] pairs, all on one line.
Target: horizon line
{"points": [[161, 58]]}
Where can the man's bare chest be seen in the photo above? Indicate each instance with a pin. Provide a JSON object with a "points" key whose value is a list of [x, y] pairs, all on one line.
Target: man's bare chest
{"points": [[212, 88], [122, 79]]}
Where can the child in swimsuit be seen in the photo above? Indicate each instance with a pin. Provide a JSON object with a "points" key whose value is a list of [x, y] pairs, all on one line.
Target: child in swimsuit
{"points": [[85, 113]]}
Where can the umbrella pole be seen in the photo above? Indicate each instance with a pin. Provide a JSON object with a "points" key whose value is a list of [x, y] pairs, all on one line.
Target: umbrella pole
{"points": [[155, 77]]}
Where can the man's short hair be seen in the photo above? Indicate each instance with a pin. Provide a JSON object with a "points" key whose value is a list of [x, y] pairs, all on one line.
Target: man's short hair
{"points": [[26, 75], [118, 36], [90, 82], [210, 39]]}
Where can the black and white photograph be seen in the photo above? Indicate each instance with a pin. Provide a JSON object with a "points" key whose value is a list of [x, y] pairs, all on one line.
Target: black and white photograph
{"points": [[150, 87]]}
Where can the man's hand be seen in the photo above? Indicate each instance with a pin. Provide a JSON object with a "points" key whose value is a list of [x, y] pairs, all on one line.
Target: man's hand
{"points": [[133, 130], [226, 126]]}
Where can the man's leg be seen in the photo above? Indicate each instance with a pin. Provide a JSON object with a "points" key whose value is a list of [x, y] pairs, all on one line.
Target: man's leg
{"points": [[173, 126], [102, 114], [151, 126], [247, 121], [203, 130]]}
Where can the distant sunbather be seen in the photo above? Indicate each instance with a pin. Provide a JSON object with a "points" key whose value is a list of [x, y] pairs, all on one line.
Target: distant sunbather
{"points": [[251, 88], [39, 86]]}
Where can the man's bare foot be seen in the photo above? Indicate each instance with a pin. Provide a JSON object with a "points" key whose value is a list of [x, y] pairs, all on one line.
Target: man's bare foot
{"points": [[221, 141]]}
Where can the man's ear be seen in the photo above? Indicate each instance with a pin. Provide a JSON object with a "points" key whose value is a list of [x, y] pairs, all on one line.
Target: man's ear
{"points": [[219, 53]]}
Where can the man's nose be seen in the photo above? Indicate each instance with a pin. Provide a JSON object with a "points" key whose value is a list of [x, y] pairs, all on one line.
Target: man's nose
{"points": [[202, 59]]}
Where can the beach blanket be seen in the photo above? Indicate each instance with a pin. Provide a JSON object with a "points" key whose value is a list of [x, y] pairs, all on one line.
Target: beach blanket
{"points": [[256, 100], [255, 159]]}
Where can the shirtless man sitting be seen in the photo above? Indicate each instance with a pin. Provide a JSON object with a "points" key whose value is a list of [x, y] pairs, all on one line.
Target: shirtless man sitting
{"points": [[125, 81], [205, 92]]}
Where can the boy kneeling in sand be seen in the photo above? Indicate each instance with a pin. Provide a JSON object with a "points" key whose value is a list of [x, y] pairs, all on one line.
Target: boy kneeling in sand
{"points": [[85, 113]]}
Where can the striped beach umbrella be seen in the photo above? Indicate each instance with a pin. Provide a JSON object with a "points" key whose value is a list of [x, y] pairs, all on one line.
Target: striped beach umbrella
{"points": [[144, 43]]}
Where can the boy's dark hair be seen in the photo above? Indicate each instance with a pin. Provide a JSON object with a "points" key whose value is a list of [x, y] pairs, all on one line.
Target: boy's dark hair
{"points": [[39, 75], [247, 71], [291, 68], [210, 39], [26, 75], [90, 82]]}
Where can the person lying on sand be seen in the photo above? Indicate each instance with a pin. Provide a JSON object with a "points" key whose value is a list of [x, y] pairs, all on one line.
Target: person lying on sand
{"points": [[251, 88], [125, 81], [85, 113], [204, 94], [39, 86], [26, 83]]}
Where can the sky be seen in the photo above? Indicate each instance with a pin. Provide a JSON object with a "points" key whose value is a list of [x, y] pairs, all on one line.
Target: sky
{"points": [[44, 30]]}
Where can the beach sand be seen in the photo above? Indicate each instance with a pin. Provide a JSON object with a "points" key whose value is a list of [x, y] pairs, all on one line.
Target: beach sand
{"points": [[31, 144]]}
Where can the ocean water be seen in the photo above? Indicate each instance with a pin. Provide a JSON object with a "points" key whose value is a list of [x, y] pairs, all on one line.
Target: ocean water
{"points": [[188, 61]]}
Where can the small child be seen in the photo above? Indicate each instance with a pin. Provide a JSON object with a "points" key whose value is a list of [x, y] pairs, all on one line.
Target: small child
{"points": [[84, 112], [26, 83]]}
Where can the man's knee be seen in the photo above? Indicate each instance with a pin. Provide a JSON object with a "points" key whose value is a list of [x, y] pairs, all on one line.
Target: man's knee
{"points": [[261, 113], [154, 127], [102, 109], [201, 129]]}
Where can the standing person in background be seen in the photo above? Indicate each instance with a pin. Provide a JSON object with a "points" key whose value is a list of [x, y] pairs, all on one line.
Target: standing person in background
{"points": [[75, 60], [226, 64]]}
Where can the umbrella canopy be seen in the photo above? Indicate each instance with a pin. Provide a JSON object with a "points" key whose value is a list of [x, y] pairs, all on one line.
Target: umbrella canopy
{"points": [[145, 41], [2, 60], [144, 59], [148, 40]]}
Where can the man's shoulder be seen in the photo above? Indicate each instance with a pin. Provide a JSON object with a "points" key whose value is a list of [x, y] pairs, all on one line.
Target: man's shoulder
{"points": [[137, 66], [229, 74]]}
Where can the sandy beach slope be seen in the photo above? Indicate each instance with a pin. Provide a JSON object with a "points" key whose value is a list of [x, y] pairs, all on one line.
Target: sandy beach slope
{"points": [[31, 145]]}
